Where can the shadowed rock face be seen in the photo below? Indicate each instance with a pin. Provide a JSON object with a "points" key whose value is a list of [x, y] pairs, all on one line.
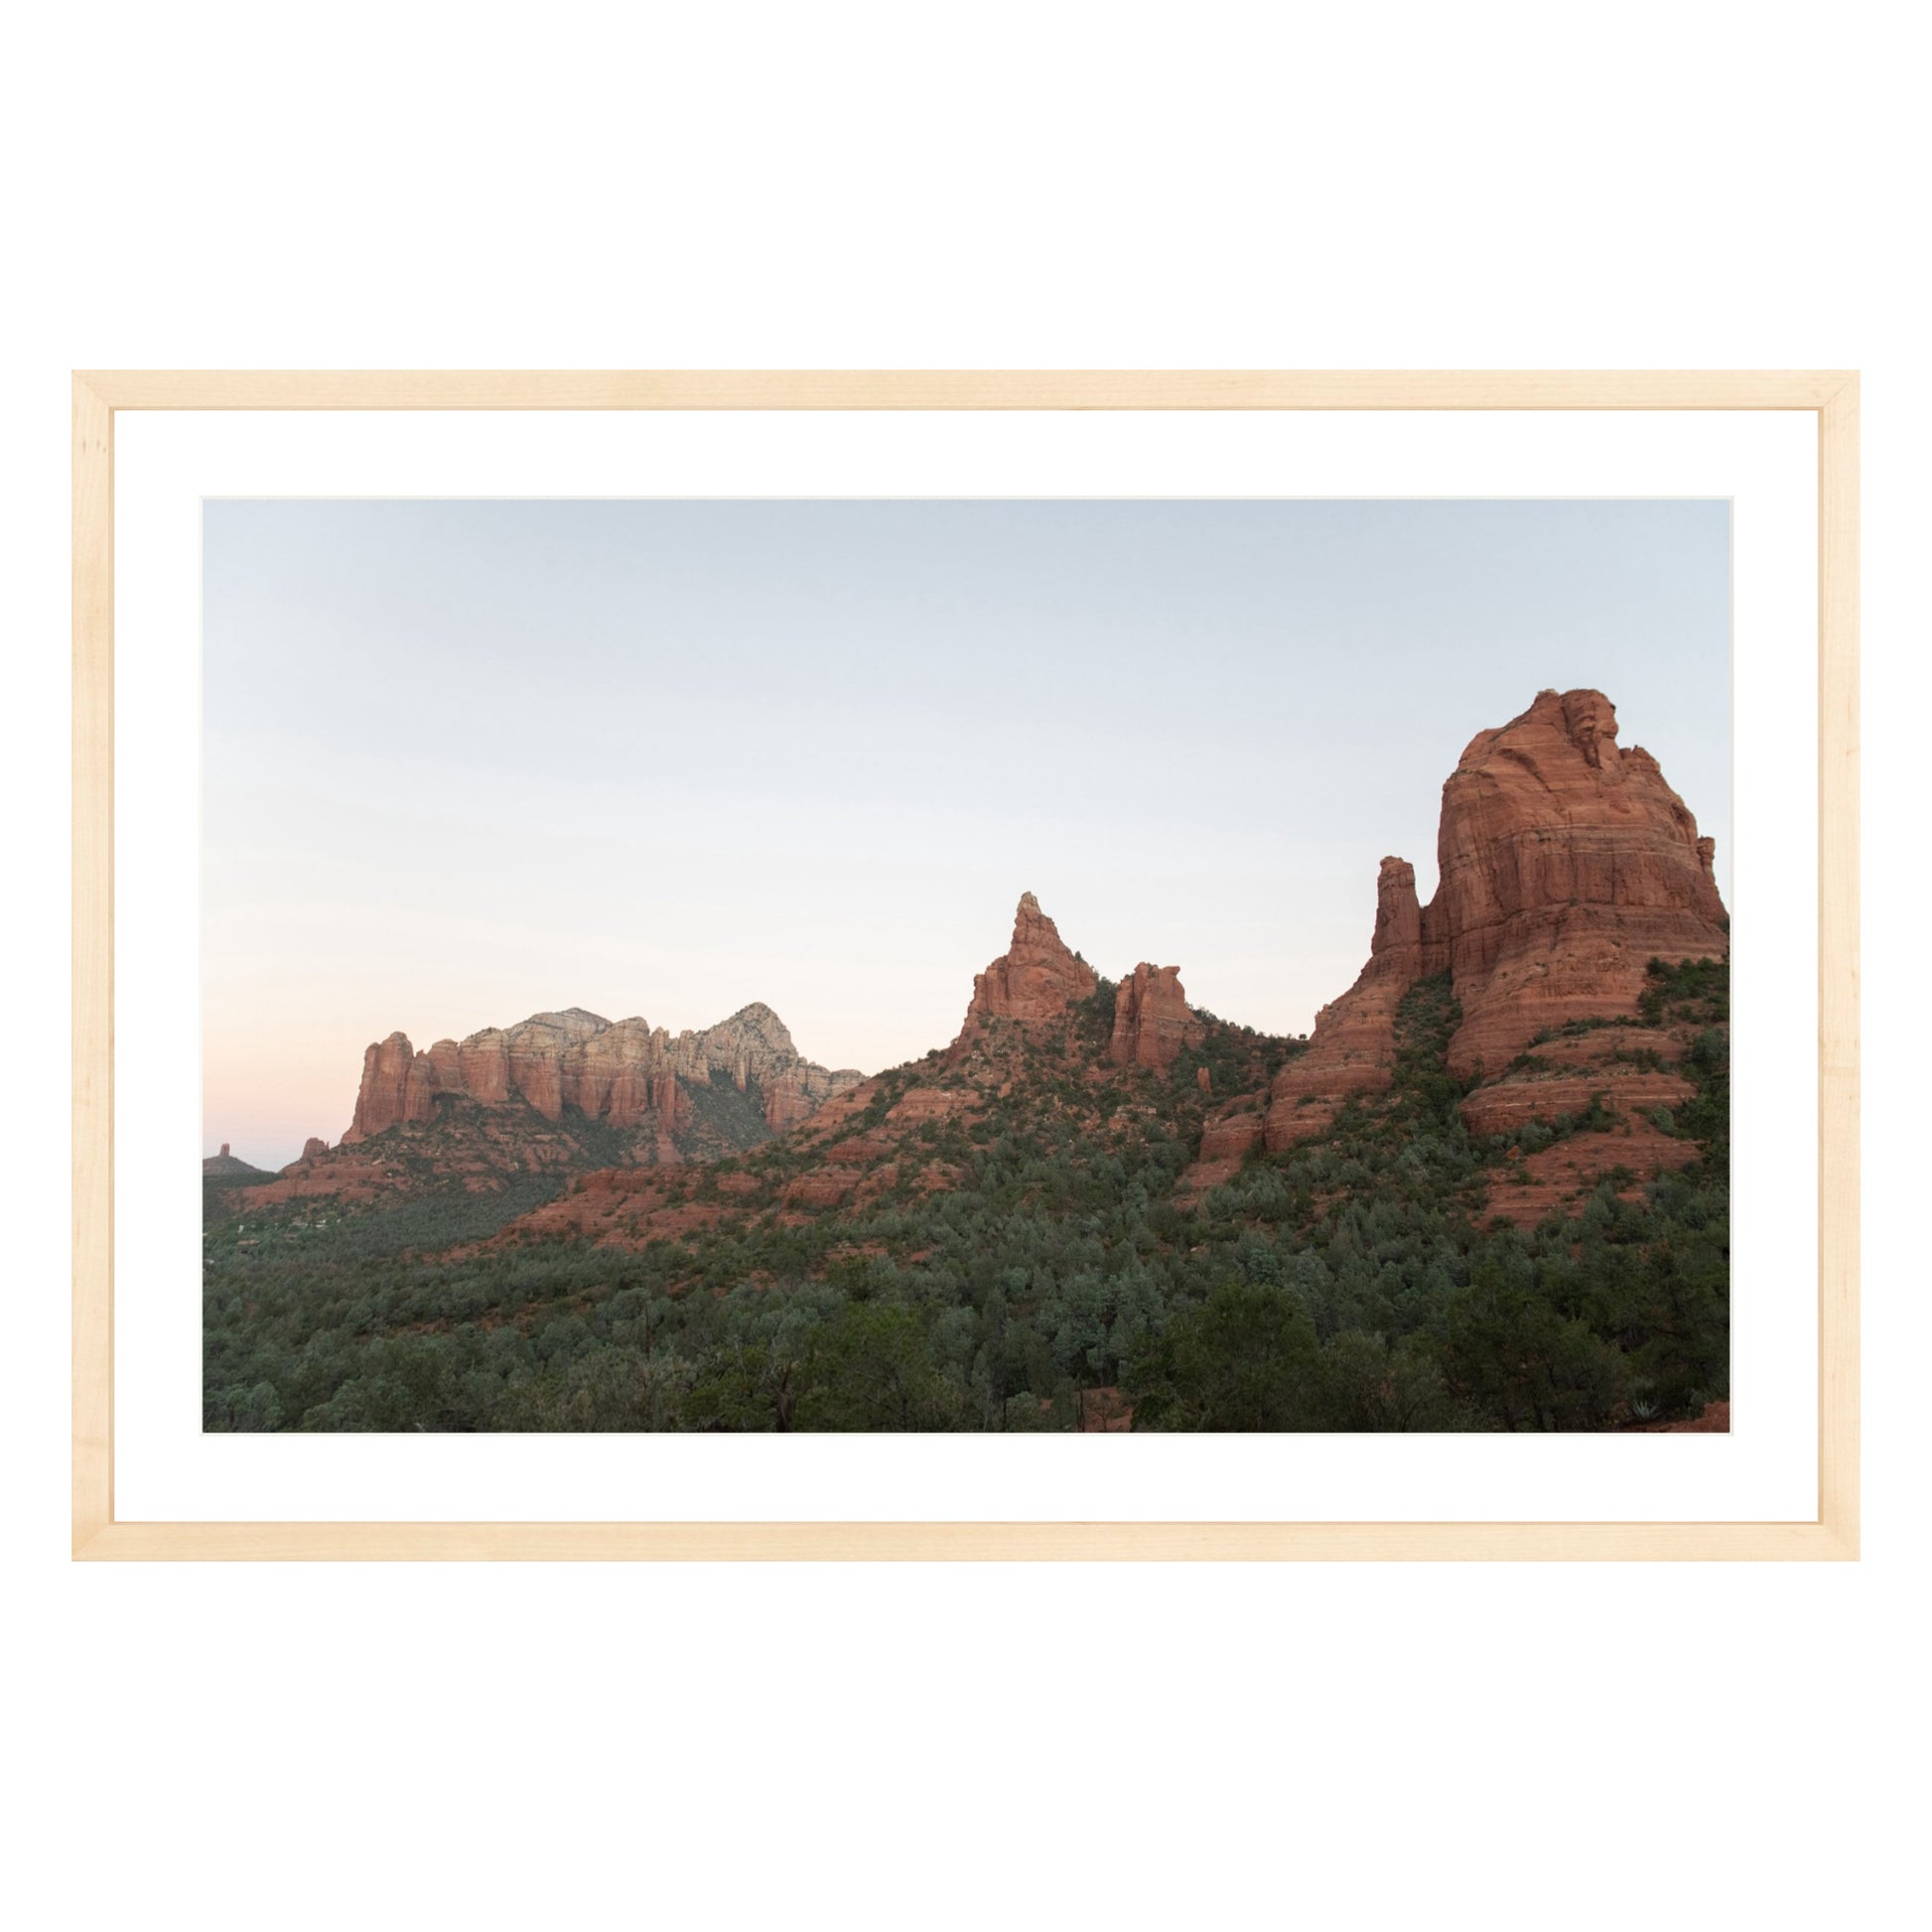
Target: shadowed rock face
{"points": [[627, 1075], [1152, 1018], [1567, 864], [1036, 979]]}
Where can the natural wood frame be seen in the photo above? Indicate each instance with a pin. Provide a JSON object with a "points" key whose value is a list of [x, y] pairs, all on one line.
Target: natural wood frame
{"points": [[1830, 394]]}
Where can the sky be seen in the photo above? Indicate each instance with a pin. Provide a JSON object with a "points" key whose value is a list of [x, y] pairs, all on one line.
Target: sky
{"points": [[469, 760]]}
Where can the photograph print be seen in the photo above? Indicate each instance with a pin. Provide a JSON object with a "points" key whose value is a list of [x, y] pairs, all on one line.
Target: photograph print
{"points": [[1103, 965]]}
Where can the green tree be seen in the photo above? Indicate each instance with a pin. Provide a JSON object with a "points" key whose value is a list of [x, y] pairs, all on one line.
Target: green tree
{"points": [[871, 1367], [1246, 1360]]}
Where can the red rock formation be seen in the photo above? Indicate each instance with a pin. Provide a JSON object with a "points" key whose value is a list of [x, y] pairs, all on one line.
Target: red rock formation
{"points": [[1232, 1130], [627, 1075], [1036, 979], [797, 1093], [1024, 1055], [1560, 1180], [446, 1063], [608, 1075], [398, 1085], [483, 1066], [664, 1104], [1567, 864], [536, 1050], [227, 1164], [315, 1150], [1352, 1048], [1151, 1020], [755, 1045]]}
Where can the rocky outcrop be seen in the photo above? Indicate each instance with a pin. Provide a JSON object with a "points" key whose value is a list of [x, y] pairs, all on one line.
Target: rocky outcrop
{"points": [[1036, 979], [1567, 864], [613, 1074], [537, 1049], [227, 1164], [1229, 1133], [1153, 1022], [483, 1066], [1033, 1053], [398, 1085], [1352, 1047], [627, 1074]]}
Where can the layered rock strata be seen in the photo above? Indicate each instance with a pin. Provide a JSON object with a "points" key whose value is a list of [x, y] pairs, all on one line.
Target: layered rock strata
{"points": [[1153, 1022], [628, 1074], [1567, 863], [1036, 979]]}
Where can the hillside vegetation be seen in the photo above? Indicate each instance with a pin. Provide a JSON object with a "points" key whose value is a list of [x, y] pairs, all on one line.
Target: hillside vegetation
{"points": [[1007, 1238]]}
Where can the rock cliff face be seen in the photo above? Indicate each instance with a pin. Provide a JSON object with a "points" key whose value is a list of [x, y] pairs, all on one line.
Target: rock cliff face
{"points": [[1036, 979], [398, 1085], [1152, 1018], [628, 1074], [1567, 864]]}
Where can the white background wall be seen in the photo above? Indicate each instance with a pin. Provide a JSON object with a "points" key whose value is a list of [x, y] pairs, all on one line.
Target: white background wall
{"points": [[1037, 186]]}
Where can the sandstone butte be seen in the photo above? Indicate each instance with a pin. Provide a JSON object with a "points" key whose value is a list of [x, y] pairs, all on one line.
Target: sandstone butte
{"points": [[1153, 1022], [625, 1073], [1037, 978], [1566, 864]]}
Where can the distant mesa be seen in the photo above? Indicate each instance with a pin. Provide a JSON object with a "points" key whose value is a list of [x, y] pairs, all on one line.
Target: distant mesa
{"points": [[1567, 864], [226, 1162], [560, 1095], [627, 1075]]}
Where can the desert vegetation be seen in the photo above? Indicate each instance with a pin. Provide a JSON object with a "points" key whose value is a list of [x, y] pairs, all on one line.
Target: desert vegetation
{"points": [[1027, 1261]]}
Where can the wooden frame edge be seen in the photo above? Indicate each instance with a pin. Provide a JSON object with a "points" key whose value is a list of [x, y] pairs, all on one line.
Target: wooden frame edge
{"points": [[791, 389], [1838, 964], [96, 395], [965, 1542], [91, 917]]}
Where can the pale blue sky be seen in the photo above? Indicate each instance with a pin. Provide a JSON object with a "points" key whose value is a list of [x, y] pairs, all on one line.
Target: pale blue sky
{"points": [[467, 761]]}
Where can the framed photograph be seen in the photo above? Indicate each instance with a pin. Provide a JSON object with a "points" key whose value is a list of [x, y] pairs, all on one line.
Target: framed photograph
{"points": [[965, 965]]}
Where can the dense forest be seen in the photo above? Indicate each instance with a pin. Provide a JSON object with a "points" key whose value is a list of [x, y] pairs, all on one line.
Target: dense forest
{"points": [[1359, 1281]]}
